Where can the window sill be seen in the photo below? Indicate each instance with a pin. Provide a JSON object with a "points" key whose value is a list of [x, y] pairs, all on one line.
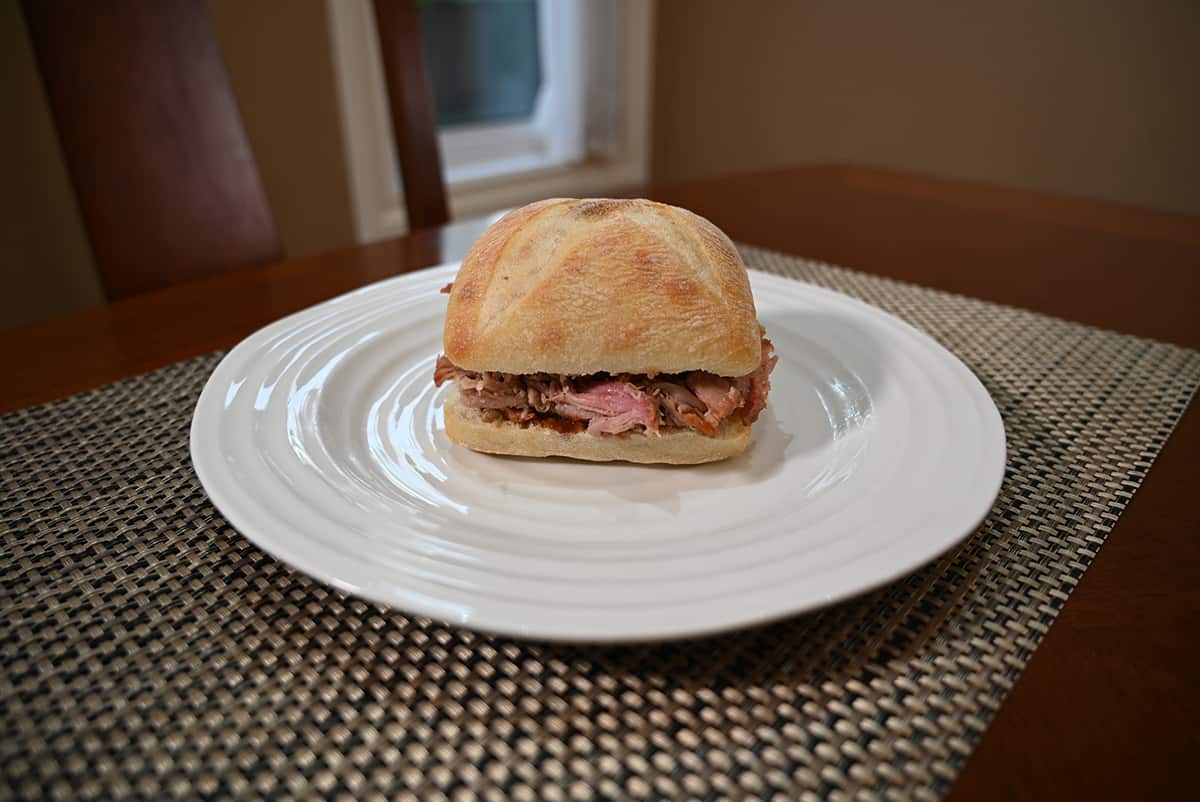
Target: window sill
{"points": [[484, 196]]}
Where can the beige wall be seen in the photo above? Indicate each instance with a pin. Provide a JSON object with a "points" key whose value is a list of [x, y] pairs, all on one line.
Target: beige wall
{"points": [[280, 64], [1086, 97], [45, 264]]}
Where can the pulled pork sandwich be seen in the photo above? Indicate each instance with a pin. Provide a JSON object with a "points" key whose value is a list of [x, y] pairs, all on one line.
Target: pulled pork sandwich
{"points": [[604, 330]]}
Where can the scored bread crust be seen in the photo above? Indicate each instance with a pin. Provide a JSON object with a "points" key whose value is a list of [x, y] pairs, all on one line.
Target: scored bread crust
{"points": [[466, 426], [584, 286]]}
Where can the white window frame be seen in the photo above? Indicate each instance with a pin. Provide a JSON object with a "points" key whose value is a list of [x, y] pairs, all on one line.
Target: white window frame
{"points": [[541, 160]]}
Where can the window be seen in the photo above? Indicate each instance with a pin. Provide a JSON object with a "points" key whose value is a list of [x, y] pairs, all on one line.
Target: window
{"points": [[499, 109], [534, 98], [484, 59]]}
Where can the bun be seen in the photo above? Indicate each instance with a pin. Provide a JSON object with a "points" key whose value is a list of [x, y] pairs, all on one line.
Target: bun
{"points": [[583, 286], [467, 427]]}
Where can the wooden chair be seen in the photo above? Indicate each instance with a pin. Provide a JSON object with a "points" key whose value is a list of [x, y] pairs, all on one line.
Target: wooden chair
{"points": [[159, 159], [162, 170], [413, 123]]}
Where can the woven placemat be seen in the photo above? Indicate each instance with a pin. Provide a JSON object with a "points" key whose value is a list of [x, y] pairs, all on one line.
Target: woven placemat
{"points": [[150, 651]]}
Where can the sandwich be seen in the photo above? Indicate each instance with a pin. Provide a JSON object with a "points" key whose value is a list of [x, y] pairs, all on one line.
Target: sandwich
{"points": [[603, 330]]}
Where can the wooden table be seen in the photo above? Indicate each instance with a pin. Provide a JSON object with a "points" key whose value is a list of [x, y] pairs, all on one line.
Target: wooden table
{"points": [[1109, 705]]}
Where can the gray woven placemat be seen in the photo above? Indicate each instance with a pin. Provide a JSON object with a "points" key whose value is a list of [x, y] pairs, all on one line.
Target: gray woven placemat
{"points": [[150, 651]]}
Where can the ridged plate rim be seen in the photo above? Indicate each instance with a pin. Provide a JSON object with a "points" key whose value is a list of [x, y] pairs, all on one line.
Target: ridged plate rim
{"points": [[520, 617]]}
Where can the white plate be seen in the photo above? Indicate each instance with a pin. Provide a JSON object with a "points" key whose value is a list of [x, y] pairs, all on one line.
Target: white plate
{"points": [[320, 438]]}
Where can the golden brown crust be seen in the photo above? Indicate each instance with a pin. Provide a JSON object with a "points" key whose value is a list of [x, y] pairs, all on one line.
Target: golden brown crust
{"points": [[583, 286], [467, 427]]}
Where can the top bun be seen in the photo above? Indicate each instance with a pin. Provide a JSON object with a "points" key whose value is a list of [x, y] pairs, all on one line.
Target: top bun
{"points": [[583, 286]]}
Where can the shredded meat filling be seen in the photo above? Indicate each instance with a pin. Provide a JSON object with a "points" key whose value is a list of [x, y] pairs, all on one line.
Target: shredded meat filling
{"points": [[614, 404]]}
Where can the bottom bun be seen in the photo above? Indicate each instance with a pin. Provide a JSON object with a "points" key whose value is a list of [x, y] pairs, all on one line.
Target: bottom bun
{"points": [[467, 427]]}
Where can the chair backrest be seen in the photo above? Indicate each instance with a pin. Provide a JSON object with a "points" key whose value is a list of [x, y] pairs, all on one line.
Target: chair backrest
{"points": [[166, 183], [414, 126], [161, 166]]}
